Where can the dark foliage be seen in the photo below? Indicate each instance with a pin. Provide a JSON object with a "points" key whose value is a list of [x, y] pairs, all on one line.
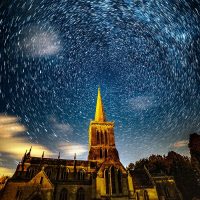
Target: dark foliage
{"points": [[178, 166]]}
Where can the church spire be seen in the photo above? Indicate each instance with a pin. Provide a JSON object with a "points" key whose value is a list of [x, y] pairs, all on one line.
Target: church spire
{"points": [[101, 136], [99, 114]]}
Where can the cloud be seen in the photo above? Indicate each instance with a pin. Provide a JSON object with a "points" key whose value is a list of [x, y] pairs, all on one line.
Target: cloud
{"points": [[61, 127], [4, 119], [6, 171], [9, 126], [143, 102], [40, 42], [69, 149], [181, 143], [12, 139], [15, 147]]}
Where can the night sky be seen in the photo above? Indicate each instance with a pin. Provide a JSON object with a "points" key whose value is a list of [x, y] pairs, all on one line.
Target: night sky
{"points": [[144, 54]]}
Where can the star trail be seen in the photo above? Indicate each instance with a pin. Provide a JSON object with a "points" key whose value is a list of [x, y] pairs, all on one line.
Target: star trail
{"points": [[145, 56]]}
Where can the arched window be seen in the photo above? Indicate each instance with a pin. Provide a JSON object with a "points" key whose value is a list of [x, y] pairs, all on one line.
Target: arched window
{"points": [[63, 194], [81, 175], [106, 153], [106, 137], [113, 180], [138, 196], [41, 180], [166, 191], [159, 188], [64, 173], [98, 138], [31, 172], [146, 195], [49, 172], [119, 177], [107, 181], [102, 138], [80, 194], [18, 195], [101, 153]]}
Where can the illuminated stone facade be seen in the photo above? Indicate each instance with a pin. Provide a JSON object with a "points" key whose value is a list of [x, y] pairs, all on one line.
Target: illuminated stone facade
{"points": [[102, 176]]}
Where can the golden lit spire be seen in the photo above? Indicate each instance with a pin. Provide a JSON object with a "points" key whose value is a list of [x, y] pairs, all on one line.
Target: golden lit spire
{"points": [[99, 115]]}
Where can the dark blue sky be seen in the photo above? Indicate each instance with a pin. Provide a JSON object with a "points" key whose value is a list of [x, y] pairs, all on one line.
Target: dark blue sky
{"points": [[145, 55]]}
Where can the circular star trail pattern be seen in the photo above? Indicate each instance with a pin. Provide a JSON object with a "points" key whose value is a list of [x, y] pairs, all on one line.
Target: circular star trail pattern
{"points": [[145, 55]]}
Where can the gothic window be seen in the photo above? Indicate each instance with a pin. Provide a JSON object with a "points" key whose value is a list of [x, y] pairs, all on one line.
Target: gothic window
{"points": [[30, 172], [106, 153], [41, 180], [80, 194], [98, 138], [106, 137], [113, 180], [119, 177], [63, 194], [101, 153], [64, 173], [166, 191], [49, 172], [81, 175], [146, 195], [102, 138], [18, 195], [107, 181], [159, 188], [138, 196]]}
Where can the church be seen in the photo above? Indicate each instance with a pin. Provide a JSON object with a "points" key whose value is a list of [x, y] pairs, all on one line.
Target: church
{"points": [[101, 177]]}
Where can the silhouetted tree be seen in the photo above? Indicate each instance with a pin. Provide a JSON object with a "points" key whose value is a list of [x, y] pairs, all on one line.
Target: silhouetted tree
{"points": [[175, 165]]}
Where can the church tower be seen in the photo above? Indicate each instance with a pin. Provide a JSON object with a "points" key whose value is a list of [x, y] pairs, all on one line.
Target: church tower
{"points": [[101, 136]]}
